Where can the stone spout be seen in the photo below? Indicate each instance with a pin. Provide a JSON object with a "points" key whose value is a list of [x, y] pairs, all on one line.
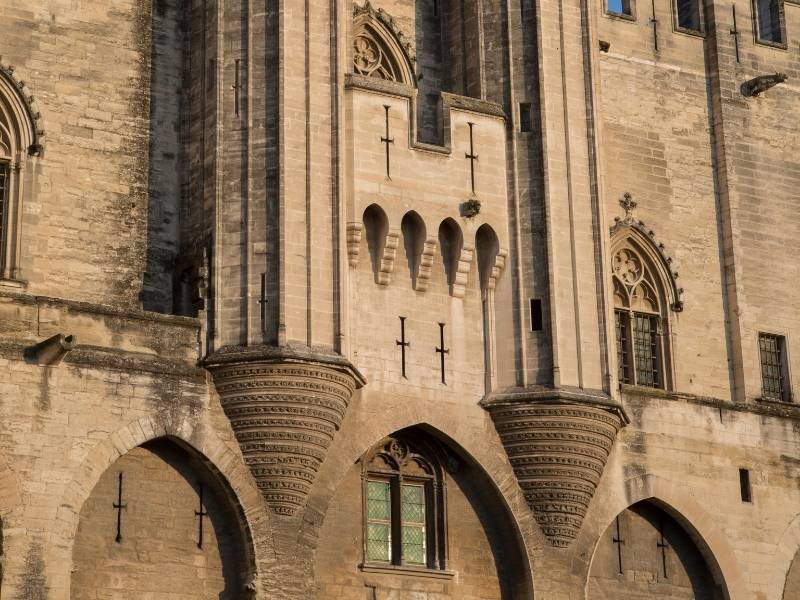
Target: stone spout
{"points": [[51, 352], [558, 444], [285, 407]]}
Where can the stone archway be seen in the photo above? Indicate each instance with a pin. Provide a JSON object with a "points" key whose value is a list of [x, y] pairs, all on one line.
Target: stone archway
{"points": [[486, 557], [140, 534], [646, 552]]}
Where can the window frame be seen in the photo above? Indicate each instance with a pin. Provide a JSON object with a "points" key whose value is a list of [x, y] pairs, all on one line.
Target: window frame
{"points": [[786, 395], [624, 16], [627, 348], [756, 18], [435, 547], [700, 32]]}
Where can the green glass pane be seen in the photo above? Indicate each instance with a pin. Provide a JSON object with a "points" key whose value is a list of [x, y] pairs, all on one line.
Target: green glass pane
{"points": [[379, 543], [414, 545], [377, 510], [414, 494], [412, 508], [378, 490]]}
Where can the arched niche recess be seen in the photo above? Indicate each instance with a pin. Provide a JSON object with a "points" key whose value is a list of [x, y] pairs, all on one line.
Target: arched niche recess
{"points": [[414, 235], [411, 479], [647, 553], [791, 590], [376, 226], [156, 550], [488, 247], [451, 241]]}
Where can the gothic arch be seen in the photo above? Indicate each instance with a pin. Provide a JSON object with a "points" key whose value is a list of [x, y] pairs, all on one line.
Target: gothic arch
{"points": [[675, 500], [786, 559], [220, 460], [20, 139], [634, 235], [379, 47], [484, 497]]}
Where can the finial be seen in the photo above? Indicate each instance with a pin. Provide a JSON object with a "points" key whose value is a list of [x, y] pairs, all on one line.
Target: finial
{"points": [[628, 204]]}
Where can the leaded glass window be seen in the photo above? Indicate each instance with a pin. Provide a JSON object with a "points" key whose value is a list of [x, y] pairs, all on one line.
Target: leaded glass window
{"points": [[403, 508], [774, 382]]}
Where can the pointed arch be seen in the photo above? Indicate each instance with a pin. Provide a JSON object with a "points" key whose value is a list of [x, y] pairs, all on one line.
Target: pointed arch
{"points": [[20, 139], [380, 48], [635, 235]]}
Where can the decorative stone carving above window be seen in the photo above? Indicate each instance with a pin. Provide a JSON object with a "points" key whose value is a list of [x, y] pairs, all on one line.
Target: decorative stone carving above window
{"points": [[625, 263], [379, 47], [20, 139]]}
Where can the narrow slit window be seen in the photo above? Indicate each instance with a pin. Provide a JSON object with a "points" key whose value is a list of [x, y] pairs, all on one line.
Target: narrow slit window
{"points": [[744, 485], [525, 124], [769, 17], [774, 368], [537, 322], [619, 7], [688, 13]]}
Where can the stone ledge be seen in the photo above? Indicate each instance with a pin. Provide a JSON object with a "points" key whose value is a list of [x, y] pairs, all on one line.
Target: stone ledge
{"points": [[228, 355], [406, 570], [550, 395], [759, 406], [79, 306], [115, 360]]}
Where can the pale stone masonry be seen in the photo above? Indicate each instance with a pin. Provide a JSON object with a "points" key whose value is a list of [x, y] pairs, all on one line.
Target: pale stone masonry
{"points": [[399, 300]]}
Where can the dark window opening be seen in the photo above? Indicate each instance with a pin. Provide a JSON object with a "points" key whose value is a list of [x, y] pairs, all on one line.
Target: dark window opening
{"points": [[525, 124], [768, 21], [537, 322], [774, 367], [619, 7], [744, 484], [688, 12], [638, 348]]}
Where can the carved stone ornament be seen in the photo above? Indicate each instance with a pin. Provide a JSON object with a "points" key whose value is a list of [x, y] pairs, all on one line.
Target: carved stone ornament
{"points": [[470, 208], [624, 262], [380, 49], [558, 451], [23, 109], [285, 409], [762, 83]]}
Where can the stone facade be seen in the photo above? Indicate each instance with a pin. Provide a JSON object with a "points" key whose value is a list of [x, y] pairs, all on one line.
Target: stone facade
{"points": [[244, 245]]}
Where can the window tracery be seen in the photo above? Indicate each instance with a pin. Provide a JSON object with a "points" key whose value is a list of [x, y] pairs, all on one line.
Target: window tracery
{"points": [[403, 507], [645, 292], [379, 47], [19, 140]]}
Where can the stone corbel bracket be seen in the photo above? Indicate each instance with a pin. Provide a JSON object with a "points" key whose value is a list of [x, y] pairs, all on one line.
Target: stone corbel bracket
{"points": [[558, 442], [285, 406], [386, 264], [50, 352], [758, 85], [459, 286], [425, 265], [355, 231], [497, 268]]}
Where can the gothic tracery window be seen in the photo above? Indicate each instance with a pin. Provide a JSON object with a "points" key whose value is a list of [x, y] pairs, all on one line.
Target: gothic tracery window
{"points": [[639, 322], [379, 48], [403, 507]]}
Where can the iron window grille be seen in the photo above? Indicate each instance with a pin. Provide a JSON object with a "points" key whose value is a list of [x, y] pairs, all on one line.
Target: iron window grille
{"points": [[774, 376]]}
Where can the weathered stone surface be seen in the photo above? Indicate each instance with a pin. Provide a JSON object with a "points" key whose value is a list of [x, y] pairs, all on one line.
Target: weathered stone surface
{"points": [[285, 409], [558, 450]]}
